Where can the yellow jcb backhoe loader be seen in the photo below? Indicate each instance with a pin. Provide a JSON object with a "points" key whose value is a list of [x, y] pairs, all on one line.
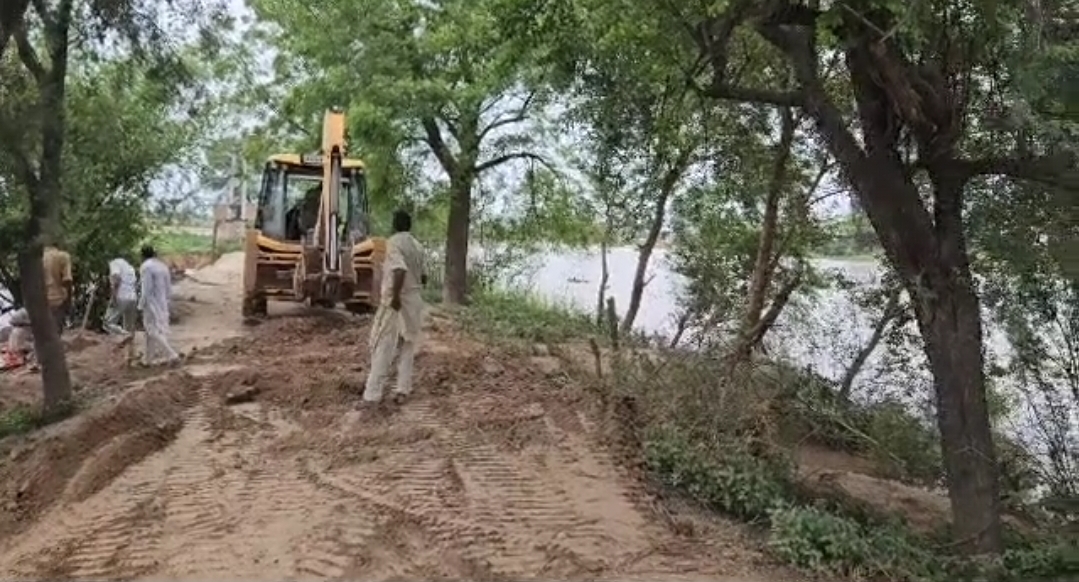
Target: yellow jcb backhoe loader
{"points": [[310, 240]]}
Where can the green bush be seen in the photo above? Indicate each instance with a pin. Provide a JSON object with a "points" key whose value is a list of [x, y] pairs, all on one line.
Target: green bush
{"points": [[824, 542], [21, 419], [727, 474], [732, 482]]}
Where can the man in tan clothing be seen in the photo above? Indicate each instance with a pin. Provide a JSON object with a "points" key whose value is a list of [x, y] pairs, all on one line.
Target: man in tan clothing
{"points": [[396, 328], [58, 284]]}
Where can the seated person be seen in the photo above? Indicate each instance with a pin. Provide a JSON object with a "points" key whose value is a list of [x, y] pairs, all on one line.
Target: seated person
{"points": [[20, 342], [309, 211], [303, 215], [292, 223]]}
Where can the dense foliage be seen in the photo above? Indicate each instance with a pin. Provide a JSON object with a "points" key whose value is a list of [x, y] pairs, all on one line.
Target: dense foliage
{"points": [[725, 132]]}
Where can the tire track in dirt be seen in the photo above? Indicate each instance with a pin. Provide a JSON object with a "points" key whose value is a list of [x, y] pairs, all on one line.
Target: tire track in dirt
{"points": [[510, 513], [191, 499], [116, 533], [236, 512], [489, 472], [448, 539], [332, 552]]}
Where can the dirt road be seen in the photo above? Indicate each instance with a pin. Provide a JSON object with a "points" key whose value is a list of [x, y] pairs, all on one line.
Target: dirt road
{"points": [[494, 470]]}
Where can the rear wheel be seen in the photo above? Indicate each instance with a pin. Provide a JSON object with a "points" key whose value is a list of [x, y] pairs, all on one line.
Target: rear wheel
{"points": [[254, 307]]}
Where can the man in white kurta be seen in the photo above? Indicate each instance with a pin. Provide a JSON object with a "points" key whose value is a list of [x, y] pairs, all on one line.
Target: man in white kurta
{"points": [[154, 304], [396, 328]]}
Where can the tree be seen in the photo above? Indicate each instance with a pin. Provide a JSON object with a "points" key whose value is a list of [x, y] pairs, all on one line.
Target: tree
{"points": [[917, 75], [743, 237], [926, 81], [36, 93], [442, 75], [48, 78], [650, 135]]}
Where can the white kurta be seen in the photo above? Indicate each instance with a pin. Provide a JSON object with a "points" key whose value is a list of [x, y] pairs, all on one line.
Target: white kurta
{"points": [[154, 304], [395, 334]]}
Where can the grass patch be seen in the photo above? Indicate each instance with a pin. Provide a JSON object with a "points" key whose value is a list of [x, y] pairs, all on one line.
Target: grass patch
{"points": [[25, 418], [516, 314]]}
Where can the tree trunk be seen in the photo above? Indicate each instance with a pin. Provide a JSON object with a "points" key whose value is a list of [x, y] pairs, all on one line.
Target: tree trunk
{"points": [[48, 348], [667, 185], [951, 326], [950, 320], [761, 279], [455, 281], [604, 277], [680, 329], [45, 201], [892, 311], [751, 338], [648, 246]]}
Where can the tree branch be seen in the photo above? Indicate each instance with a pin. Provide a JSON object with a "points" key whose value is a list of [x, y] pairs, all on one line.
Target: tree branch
{"points": [[713, 37], [433, 137], [518, 117], [893, 310], [495, 162], [1057, 170], [12, 13], [43, 13], [751, 95], [28, 55]]}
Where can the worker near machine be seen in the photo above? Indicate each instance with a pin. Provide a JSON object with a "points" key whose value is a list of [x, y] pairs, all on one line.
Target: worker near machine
{"points": [[58, 284], [154, 304], [396, 328], [123, 298]]}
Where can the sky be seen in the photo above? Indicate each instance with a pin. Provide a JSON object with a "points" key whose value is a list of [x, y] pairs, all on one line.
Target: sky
{"points": [[176, 179]]}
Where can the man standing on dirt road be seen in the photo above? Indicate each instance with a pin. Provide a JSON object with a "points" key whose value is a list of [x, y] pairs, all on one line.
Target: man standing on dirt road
{"points": [[58, 284], [123, 301], [154, 304], [396, 327]]}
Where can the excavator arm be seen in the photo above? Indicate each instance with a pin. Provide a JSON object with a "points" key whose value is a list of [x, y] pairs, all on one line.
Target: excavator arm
{"points": [[327, 231]]}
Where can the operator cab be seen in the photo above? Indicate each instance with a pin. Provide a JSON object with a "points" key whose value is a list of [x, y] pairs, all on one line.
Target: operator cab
{"points": [[290, 193]]}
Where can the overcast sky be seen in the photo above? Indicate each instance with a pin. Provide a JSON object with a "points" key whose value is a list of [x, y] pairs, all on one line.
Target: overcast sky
{"points": [[176, 180]]}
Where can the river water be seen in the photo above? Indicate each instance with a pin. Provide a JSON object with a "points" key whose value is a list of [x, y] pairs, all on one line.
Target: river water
{"points": [[822, 331]]}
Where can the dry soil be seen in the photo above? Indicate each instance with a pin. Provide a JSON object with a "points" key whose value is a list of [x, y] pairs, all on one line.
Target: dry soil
{"points": [[494, 470]]}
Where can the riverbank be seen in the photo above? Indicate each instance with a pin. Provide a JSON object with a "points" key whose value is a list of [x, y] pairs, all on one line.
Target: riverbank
{"points": [[836, 489], [730, 478]]}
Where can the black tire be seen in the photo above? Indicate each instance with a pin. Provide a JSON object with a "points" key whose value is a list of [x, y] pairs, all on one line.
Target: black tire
{"points": [[254, 307]]}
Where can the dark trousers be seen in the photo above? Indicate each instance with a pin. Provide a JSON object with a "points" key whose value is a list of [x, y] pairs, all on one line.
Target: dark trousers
{"points": [[59, 315]]}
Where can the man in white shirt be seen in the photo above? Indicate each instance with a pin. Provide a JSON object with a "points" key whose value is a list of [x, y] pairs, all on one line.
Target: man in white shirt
{"points": [[154, 304], [123, 298], [396, 328]]}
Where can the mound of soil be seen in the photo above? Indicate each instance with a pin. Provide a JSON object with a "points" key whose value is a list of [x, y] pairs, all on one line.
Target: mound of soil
{"points": [[78, 457]]}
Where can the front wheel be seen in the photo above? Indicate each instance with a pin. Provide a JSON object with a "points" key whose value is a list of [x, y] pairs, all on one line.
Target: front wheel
{"points": [[254, 307]]}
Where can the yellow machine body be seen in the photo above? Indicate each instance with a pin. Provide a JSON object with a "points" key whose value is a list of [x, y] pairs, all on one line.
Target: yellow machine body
{"points": [[310, 240]]}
